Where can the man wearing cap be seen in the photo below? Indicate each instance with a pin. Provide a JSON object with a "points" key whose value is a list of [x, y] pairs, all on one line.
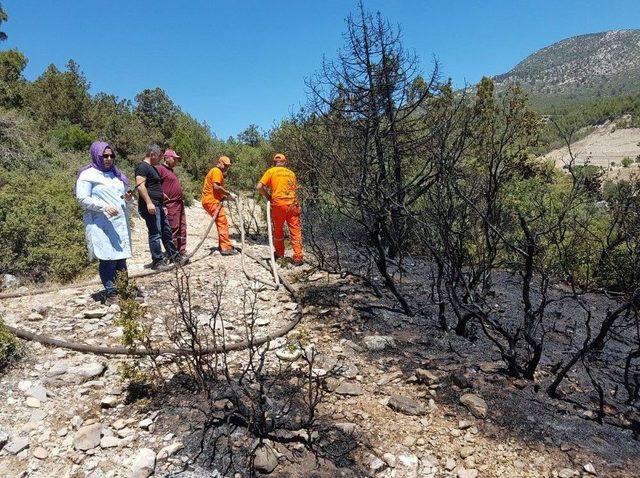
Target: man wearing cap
{"points": [[278, 185], [150, 207], [213, 192], [174, 200]]}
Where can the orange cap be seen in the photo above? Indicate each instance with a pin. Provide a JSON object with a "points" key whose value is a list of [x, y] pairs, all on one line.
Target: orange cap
{"points": [[279, 157], [224, 160]]}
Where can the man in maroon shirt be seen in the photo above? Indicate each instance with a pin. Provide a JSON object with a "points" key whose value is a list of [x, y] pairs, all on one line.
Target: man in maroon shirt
{"points": [[173, 200]]}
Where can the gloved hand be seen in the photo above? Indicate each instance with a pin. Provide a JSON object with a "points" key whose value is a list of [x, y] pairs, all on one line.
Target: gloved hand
{"points": [[233, 196]]}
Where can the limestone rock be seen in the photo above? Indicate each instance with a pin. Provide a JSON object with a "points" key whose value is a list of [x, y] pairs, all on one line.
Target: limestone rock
{"points": [[37, 391], [88, 371], [16, 445], [40, 453], [406, 405], [265, 460], [9, 281], [95, 313], [33, 402], [4, 438], [590, 469], [109, 442], [567, 473], [169, 451], [109, 401], [346, 388], [377, 343], [467, 473], [426, 376], [87, 437], [146, 423], [476, 405], [144, 464]]}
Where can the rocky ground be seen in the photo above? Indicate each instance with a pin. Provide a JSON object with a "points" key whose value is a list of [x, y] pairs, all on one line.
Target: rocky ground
{"points": [[412, 400]]}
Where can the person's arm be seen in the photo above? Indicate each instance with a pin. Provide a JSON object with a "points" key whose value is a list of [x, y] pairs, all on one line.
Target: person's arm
{"points": [[144, 194], [90, 203], [219, 189], [264, 191]]}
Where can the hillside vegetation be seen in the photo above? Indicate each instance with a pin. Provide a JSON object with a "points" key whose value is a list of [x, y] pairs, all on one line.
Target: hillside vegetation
{"points": [[46, 127]]}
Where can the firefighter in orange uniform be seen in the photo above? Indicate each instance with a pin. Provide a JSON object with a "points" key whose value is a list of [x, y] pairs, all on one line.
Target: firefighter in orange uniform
{"points": [[213, 192], [278, 185]]}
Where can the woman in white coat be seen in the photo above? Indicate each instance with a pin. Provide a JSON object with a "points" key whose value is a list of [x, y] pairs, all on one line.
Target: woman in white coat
{"points": [[101, 189]]}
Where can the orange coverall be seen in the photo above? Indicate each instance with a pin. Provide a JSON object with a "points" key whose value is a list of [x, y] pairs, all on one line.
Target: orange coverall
{"points": [[284, 208], [210, 200]]}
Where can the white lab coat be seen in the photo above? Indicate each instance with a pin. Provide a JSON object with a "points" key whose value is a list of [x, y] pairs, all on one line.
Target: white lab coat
{"points": [[108, 238]]}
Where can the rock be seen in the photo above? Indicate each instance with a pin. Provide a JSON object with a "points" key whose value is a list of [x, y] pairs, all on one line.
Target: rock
{"points": [[389, 378], [567, 473], [88, 371], [9, 281], [119, 424], [406, 405], [95, 313], [476, 405], [24, 385], [389, 459], [407, 465], [87, 437], [450, 464], [109, 401], [464, 424], [37, 391], [377, 343], [265, 460], [109, 442], [37, 416], [347, 428], [16, 445], [169, 451], [35, 317], [59, 368], [376, 464], [425, 376], [144, 464], [40, 453], [77, 421], [146, 423], [4, 438], [33, 402], [346, 388], [467, 473], [466, 451], [288, 355], [590, 469]]}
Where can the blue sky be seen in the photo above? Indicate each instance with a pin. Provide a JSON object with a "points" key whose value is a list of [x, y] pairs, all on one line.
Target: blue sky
{"points": [[232, 63]]}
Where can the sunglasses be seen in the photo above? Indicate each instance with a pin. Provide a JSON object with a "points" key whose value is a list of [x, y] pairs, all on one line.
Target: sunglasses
{"points": [[107, 156]]}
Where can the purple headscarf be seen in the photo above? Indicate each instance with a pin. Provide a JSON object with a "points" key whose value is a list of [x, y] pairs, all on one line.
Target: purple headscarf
{"points": [[97, 161]]}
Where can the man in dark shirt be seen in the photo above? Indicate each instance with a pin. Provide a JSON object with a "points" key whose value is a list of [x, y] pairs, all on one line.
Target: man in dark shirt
{"points": [[150, 207], [173, 200]]}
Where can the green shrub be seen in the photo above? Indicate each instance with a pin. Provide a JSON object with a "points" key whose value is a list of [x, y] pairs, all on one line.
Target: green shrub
{"points": [[626, 162], [41, 230], [10, 348], [72, 137]]}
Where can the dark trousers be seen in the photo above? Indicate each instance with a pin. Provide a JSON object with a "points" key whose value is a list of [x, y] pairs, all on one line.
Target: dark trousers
{"points": [[159, 233], [108, 271], [178, 222]]}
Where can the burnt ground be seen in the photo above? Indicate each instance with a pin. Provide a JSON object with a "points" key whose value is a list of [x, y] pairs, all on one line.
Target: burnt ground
{"points": [[526, 433]]}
